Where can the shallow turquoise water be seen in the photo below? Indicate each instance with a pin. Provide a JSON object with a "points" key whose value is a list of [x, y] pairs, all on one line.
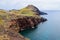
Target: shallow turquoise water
{"points": [[49, 30]]}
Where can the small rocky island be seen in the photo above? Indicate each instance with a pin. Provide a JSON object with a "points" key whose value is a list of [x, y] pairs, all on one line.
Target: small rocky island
{"points": [[14, 21]]}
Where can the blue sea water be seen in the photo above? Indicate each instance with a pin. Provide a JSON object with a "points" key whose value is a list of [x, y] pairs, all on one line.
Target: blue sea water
{"points": [[49, 30]]}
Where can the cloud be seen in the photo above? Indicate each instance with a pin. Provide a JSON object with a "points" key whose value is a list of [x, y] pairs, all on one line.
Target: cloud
{"points": [[41, 4]]}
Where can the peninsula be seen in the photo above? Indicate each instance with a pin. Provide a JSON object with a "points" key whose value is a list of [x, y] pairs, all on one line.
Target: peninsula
{"points": [[14, 21]]}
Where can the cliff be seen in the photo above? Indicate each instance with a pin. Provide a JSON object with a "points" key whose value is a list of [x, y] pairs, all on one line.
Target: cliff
{"points": [[19, 20]]}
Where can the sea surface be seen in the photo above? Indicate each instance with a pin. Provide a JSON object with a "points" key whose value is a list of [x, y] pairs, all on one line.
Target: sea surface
{"points": [[49, 30]]}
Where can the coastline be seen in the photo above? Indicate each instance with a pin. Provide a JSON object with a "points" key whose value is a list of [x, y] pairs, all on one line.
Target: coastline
{"points": [[19, 20]]}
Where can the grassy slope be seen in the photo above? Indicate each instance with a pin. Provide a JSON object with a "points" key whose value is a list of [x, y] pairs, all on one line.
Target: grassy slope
{"points": [[24, 12], [5, 15]]}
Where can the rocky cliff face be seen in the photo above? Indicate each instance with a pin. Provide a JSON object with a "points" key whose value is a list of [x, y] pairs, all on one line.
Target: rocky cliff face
{"points": [[24, 23], [19, 20], [10, 35]]}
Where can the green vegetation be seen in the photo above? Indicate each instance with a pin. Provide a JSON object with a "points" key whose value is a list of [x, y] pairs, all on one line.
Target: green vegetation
{"points": [[24, 12], [8, 15]]}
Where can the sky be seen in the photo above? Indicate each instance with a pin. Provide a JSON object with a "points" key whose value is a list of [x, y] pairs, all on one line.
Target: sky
{"points": [[41, 4]]}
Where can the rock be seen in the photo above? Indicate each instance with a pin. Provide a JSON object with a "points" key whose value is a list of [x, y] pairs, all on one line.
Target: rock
{"points": [[43, 19], [43, 13]]}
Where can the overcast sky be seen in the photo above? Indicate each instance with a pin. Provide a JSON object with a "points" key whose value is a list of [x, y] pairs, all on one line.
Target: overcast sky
{"points": [[41, 4]]}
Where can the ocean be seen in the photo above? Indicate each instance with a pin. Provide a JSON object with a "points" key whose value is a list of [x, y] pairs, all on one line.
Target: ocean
{"points": [[49, 30]]}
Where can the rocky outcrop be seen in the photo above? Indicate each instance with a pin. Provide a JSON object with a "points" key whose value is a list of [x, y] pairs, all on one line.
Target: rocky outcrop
{"points": [[35, 9]]}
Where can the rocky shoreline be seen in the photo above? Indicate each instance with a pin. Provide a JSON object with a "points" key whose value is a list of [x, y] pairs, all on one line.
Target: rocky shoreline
{"points": [[14, 21]]}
